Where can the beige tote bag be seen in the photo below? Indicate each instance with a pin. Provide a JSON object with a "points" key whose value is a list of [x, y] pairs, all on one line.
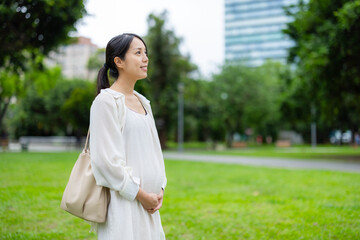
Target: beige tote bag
{"points": [[82, 197]]}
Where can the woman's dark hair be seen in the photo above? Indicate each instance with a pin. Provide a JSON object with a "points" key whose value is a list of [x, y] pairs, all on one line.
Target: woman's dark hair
{"points": [[116, 47]]}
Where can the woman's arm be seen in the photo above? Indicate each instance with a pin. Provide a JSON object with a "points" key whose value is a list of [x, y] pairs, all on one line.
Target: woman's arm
{"points": [[107, 149]]}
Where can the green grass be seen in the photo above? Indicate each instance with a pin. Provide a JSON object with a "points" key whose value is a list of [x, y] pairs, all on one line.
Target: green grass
{"points": [[321, 152], [202, 201], [30, 195]]}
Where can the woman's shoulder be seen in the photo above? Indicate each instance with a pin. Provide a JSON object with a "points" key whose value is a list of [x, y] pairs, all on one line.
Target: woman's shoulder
{"points": [[105, 99], [108, 94]]}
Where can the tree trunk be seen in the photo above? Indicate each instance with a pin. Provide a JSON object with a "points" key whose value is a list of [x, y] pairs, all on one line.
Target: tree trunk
{"points": [[162, 131], [163, 138], [3, 108]]}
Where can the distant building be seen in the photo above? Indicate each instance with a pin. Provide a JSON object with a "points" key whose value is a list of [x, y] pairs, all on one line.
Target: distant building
{"points": [[73, 59], [253, 30]]}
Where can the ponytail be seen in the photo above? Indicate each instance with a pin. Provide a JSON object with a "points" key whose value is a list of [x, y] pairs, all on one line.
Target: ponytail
{"points": [[103, 79]]}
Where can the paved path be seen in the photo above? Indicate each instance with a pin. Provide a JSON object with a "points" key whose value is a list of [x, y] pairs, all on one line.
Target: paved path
{"points": [[268, 162], [257, 161]]}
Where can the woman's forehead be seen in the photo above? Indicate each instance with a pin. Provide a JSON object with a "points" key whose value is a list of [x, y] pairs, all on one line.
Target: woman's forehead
{"points": [[137, 43]]}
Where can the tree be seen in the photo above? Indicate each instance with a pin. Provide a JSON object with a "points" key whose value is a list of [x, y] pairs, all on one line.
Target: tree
{"points": [[76, 109], [10, 85], [326, 35], [29, 30], [31, 116], [244, 97], [96, 61], [57, 107], [167, 68], [32, 27], [197, 109]]}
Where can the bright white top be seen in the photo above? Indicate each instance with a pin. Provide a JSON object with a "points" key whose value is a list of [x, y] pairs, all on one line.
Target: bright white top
{"points": [[126, 154]]}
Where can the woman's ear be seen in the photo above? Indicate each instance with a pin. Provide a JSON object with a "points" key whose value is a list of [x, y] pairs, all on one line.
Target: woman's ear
{"points": [[118, 62]]}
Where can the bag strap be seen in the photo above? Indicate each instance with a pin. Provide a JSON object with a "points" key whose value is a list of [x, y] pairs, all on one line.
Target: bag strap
{"points": [[86, 147]]}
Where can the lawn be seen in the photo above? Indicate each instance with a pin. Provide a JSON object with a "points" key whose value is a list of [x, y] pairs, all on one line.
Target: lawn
{"points": [[202, 201], [321, 152]]}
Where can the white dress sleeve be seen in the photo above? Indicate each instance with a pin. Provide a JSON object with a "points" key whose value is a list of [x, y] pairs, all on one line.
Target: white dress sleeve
{"points": [[107, 151]]}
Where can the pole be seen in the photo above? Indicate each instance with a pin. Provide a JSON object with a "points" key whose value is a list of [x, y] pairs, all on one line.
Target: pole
{"points": [[313, 127], [181, 117]]}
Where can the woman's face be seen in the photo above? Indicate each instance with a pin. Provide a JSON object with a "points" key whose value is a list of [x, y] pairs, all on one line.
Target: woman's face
{"points": [[136, 60]]}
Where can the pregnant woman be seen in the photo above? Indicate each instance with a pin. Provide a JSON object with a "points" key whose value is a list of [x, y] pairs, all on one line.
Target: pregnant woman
{"points": [[125, 150]]}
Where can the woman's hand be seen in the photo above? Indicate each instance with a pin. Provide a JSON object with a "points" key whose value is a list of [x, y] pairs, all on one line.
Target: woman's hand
{"points": [[148, 200], [160, 197]]}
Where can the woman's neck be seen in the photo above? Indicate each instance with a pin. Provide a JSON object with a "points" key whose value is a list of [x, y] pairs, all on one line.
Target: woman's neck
{"points": [[125, 86]]}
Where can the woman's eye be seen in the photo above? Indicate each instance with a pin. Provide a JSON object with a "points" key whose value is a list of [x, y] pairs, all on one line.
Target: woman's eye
{"points": [[138, 52]]}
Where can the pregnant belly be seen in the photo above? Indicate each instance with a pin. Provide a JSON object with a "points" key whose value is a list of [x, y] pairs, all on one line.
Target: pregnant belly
{"points": [[151, 180], [148, 167]]}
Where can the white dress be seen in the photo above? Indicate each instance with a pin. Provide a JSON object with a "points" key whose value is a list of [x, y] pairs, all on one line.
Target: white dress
{"points": [[126, 155]]}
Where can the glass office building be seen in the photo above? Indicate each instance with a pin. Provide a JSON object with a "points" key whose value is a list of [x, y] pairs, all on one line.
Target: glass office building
{"points": [[253, 30]]}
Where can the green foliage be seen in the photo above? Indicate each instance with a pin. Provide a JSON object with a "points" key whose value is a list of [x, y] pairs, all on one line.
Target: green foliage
{"points": [[245, 97], [197, 110], [29, 29], [30, 111], [202, 201], [326, 52], [237, 98], [295, 107], [76, 109], [10, 85], [52, 105], [54, 102], [167, 67], [96, 61], [33, 27], [42, 81]]}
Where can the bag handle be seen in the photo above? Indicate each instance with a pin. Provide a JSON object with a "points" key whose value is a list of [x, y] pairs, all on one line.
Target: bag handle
{"points": [[86, 147]]}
